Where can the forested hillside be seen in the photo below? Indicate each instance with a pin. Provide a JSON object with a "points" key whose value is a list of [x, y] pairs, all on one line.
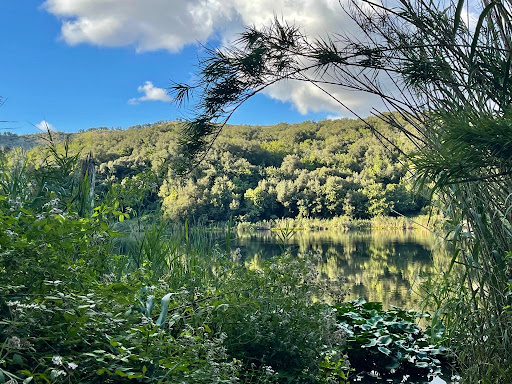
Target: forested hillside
{"points": [[313, 169], [9, 140]]}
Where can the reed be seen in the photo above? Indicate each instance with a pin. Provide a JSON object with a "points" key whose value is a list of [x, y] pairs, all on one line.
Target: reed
{"points": [[432, 223]]}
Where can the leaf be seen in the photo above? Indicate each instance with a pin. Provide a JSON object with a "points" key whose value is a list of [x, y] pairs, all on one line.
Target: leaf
{"points": [[150, 304], [165, 308], [384, 340], [458, 11], [384, 350], [422, 364], [17, 359], [393, 365], [118, 372], [372, 343], [478, 27], [373, 305]]}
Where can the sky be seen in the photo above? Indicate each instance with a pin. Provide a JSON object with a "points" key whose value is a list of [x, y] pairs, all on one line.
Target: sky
{"points": [[78, 64]]}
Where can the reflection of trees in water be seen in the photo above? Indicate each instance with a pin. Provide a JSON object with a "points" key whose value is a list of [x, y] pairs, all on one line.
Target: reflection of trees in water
{"points": [[381, 266]]}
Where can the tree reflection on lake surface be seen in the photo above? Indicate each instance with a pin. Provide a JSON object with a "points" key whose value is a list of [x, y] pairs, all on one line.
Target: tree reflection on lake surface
{"points": [[384, 266]]}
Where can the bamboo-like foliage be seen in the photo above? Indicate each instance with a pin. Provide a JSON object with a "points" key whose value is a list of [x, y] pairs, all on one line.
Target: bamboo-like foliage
{"points": [[448, 79]]}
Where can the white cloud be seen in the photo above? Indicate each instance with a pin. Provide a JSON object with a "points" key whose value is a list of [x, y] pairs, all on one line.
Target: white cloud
{"points": [[45, 126], [151, 93], [172, 24], [146, 24]]}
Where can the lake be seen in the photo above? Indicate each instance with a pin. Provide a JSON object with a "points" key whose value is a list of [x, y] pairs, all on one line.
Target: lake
{"points": [[385, 266]]}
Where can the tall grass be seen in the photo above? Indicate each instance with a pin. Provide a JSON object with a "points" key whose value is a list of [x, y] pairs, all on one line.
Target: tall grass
{"points": [[345, 223], [472, 176], [187, 255]]}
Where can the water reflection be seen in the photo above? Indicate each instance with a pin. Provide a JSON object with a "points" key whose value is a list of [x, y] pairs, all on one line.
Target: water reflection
{"points": [[384, 266]]}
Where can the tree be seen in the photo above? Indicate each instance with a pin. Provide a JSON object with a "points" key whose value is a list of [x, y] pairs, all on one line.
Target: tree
{"points": [[449, 84]]}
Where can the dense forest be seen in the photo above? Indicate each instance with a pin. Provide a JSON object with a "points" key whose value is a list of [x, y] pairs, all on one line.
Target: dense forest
{"points": [[311, 170]]}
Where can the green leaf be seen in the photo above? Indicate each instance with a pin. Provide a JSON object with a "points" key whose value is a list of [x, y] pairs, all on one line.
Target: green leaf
{"points": [[17, 359], [372, 343], [150, 304], [384, 340], [393, 365], [165, 308], [458, 11], [120, 373], [384, 350], [478, 27]]}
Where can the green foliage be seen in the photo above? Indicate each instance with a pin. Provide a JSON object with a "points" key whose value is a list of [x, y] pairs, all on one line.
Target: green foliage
{"points": [[388, 344], [100, 335], [313, 169], [274, 322]]}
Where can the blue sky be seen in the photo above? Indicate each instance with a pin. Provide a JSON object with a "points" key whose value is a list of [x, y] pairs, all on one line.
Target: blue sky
{"points": [[62, 65]]}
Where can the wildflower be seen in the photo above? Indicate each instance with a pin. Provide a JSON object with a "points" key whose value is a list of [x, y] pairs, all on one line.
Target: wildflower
{"points": [[236, 255], [56, 373], [14, 342], [72, 366], [57, 360], [268, 370]]}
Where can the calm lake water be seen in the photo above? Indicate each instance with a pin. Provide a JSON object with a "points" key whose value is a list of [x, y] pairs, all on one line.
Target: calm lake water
{"points": [[385, 266]]}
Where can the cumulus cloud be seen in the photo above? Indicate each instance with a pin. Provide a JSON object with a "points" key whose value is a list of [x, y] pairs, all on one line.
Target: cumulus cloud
{"points": [[150, 25], [146, 24], [45, 126], [151, 93]]}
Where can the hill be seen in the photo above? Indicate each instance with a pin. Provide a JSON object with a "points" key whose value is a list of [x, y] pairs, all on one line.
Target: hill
{"points": [[312, 169]]}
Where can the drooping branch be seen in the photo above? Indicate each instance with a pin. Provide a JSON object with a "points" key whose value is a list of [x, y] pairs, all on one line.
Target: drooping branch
{"points": [[426, 54]]}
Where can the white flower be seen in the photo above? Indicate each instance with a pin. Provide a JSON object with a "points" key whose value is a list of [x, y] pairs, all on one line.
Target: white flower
{"points": [[56, 373], [14, 342], [57, 360], [72, 366]]}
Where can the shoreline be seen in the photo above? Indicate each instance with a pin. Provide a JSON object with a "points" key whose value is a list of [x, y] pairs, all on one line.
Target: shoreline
{"points": [[423, 222]]}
